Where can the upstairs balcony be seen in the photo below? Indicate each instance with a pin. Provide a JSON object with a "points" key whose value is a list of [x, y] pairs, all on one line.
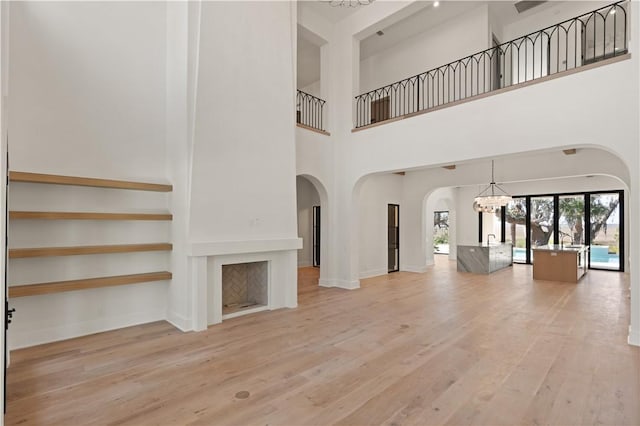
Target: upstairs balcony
{"points": [[310, 112], [592, 39]]}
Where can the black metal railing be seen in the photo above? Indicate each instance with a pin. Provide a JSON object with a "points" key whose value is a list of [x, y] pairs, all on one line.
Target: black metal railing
{"points": [[588, 38], [309, 110]]}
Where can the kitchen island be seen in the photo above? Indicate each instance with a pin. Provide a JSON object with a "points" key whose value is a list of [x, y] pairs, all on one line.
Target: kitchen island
{"points": [[560, 263], [484, 258]]}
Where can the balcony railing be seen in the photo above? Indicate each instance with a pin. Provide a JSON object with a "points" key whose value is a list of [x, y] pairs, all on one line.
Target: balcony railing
{"points": [[309, 110], [588, 38]]}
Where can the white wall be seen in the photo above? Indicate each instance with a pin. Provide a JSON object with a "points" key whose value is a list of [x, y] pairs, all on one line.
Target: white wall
{"points": [[87, 98], [467, 217], [454, 39], [313, 89], [243, 179], [377, 193], [182, 33], [88, 88], [634, 202], [307, 197], [548, 15], [4, 63]]}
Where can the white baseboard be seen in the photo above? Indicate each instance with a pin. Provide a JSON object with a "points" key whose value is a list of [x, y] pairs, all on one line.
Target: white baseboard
{"points": [[416, 269], [18, 339], [179, 322], [347, 285], [372, 273], [324, 282], [634, 337], [344, 284], [304, 263]]}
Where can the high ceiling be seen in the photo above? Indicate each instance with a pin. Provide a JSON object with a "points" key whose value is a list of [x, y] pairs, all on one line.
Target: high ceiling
{"points": [[424, 19], [328, 12], [429, 17]]}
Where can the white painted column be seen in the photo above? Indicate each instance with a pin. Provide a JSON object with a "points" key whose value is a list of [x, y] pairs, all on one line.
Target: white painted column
{"points": [[178, 156], [199, 292], [413, 223], [634, 188], [325, 82], [4, 67]]}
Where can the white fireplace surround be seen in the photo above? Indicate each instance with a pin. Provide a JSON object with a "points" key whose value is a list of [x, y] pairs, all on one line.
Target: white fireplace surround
{"points": [[205, 274]]}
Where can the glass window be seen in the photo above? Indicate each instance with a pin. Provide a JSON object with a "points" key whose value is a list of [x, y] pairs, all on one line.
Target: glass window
{"points": [[516, 228], [541, 222], [571, 220], [591, 218], [441, 232], [604, 213]]}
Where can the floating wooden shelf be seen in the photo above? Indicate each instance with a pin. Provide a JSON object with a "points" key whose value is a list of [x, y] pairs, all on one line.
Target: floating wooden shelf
{"points": [[88, 216], [17, 253], [84, 181], [62, 286]]}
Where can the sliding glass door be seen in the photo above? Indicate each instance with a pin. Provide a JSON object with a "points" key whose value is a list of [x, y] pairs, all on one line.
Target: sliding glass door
{"points": [[592, 218], [541, 222], [605, 230], [516, 228], [571, 219]]}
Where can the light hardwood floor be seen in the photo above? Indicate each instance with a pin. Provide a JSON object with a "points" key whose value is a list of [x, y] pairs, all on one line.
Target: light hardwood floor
{"points": [[407, 349]]}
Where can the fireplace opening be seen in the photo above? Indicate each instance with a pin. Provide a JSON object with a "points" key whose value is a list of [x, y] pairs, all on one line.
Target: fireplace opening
{"points": [[244, 287]]}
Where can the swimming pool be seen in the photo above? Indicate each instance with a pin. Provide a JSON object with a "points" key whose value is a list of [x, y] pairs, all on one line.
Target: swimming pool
{"points": [[600, 257]]}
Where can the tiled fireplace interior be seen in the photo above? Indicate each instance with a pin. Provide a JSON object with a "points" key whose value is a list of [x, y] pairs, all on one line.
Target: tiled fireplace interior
{"points": [[244, 286]]}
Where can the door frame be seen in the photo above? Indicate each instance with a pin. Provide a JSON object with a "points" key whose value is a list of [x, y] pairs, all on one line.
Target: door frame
{"points": [[316, 231], [396, 210]]}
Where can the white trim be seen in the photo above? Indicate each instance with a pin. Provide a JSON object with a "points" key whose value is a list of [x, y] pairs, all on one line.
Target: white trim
{"points": [[372, 273], [245, 312], [347, 285], [416, 269], [197, 277], [325, 282], [179, 322], [304, 263], [217, 248], [23, 339], [634, 337]]}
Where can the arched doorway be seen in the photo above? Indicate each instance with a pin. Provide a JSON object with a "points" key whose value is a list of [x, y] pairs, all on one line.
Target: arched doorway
{"points": [[312, 214]]}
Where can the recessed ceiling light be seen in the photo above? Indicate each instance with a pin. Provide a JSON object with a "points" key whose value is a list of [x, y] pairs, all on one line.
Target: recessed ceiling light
{"points": [[436, 3]]}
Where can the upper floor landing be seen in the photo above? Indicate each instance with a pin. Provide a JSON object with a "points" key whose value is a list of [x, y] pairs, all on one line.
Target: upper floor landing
{"points": [[379, 63]]}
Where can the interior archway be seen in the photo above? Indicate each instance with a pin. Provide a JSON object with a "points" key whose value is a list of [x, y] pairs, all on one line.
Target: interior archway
{"points": [[313, 222]]}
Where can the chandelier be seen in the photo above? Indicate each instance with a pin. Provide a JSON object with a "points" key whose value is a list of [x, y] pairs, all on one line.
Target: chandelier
{"points": [[490, 200], [350, 3]]}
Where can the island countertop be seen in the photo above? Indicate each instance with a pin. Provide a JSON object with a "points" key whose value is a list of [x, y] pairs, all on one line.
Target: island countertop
{"points": [[560, 263], [487, 245], [483, 258], [558, 247]]}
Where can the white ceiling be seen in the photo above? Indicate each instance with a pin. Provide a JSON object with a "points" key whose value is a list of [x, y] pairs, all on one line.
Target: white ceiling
{"points": [[323, 8], [426, 18], [429, 17], [423, 20]]}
